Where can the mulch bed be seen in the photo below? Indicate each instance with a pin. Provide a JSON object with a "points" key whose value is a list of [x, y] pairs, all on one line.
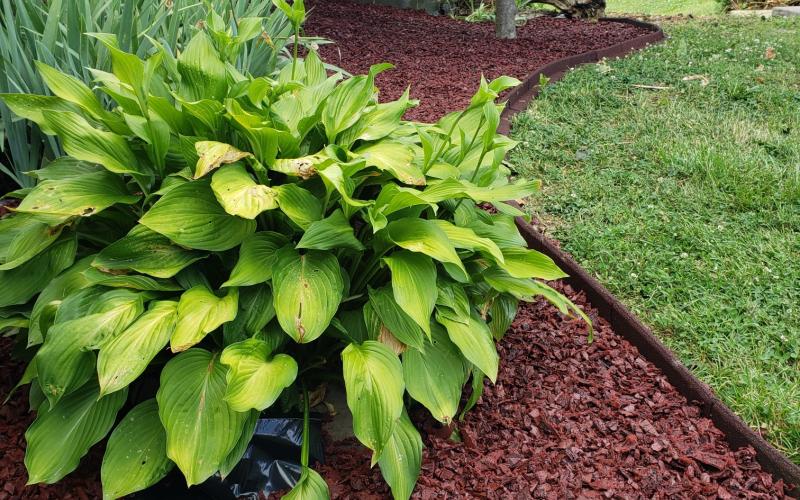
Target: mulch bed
{"points": [[569, 419], [442, 58], [566, 419]]}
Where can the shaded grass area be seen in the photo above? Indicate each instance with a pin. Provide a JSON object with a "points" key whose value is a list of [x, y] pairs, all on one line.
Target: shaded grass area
{"points": [[665, 7], [684, 199]]}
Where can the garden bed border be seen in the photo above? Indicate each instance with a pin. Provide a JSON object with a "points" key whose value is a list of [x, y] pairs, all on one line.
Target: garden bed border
{"points": [[622, 320]]}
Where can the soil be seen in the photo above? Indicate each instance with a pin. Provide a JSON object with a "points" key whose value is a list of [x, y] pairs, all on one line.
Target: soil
{"points": [[566, 419], [442, 58]]}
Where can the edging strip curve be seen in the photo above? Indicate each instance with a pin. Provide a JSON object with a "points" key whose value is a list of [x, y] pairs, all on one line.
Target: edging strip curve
{"points": [[622, 320]]}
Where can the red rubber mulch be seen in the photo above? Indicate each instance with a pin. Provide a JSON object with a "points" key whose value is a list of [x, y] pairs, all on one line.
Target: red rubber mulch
{"points": [[442, 58], [569, 419]]}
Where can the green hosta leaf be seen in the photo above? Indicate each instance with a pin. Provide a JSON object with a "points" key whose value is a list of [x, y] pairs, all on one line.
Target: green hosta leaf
{"points": [[524, 263], [346, 104], [213, 155], [190, 216], [335, 180], [456, 188], [435, 377], [311, 486], [424, 236], [238, 451], [60, 287], [475, 341], [70, 89], [136, 454], [77, 196], [203, 74], [256, 379], [31, 107], [255, 311], [124, 356], [22, 237], [20, 284], [464, 237], [200, 312], [452, 296], [256, 259], [202, 429], [503, 231], [391, 199], [401, 461], [61, 435], [330, 233], [381, 121], [502, 311], [299, 204], [65, 356], [239, 194], [84, 142], [307, 291], [395, 158], [134, 281], [414, 285], [147, 252], [395, 319], [64, 167], [373, 378]]}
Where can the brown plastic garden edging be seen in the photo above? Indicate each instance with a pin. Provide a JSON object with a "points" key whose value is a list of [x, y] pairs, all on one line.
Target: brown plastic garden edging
{"points": [[624, 323]]}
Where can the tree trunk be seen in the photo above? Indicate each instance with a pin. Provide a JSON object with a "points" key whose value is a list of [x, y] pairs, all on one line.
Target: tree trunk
{"points": [[505, 14], [584, 9]]}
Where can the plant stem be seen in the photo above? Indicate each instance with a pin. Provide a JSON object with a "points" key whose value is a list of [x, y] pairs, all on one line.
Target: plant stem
{"points": [[306, 426], [294, 58]]}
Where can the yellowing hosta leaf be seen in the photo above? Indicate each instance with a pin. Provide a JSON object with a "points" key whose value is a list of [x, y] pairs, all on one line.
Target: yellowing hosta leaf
{"points": [[61, 435], [424, 236], [256, 259], [311, 486], [202, 429], [124, 356], [373, 378], [304, 167], [77, 196], [200, 312], [464, 237], [215, 154], [189, 215], [330, 233], [256, 379], [136, 454], [475, 341], [395, 158], [401, 461], [239, 194], [414, 285], [147, 252], [66, 352], [84, 142], [436, 376], [524, 263], [20, 284], [307, 290]]}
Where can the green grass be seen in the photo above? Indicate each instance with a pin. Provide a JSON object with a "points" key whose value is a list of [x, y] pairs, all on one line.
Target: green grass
{"points": [[684, 199], [664, 7]]}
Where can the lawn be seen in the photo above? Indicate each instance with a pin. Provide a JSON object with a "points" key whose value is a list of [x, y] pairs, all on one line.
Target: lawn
{"points": [[664, 7], [674, 177]]}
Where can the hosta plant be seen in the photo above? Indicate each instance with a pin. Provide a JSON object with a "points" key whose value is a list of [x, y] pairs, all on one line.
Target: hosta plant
{"points": [[218, 245]]}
